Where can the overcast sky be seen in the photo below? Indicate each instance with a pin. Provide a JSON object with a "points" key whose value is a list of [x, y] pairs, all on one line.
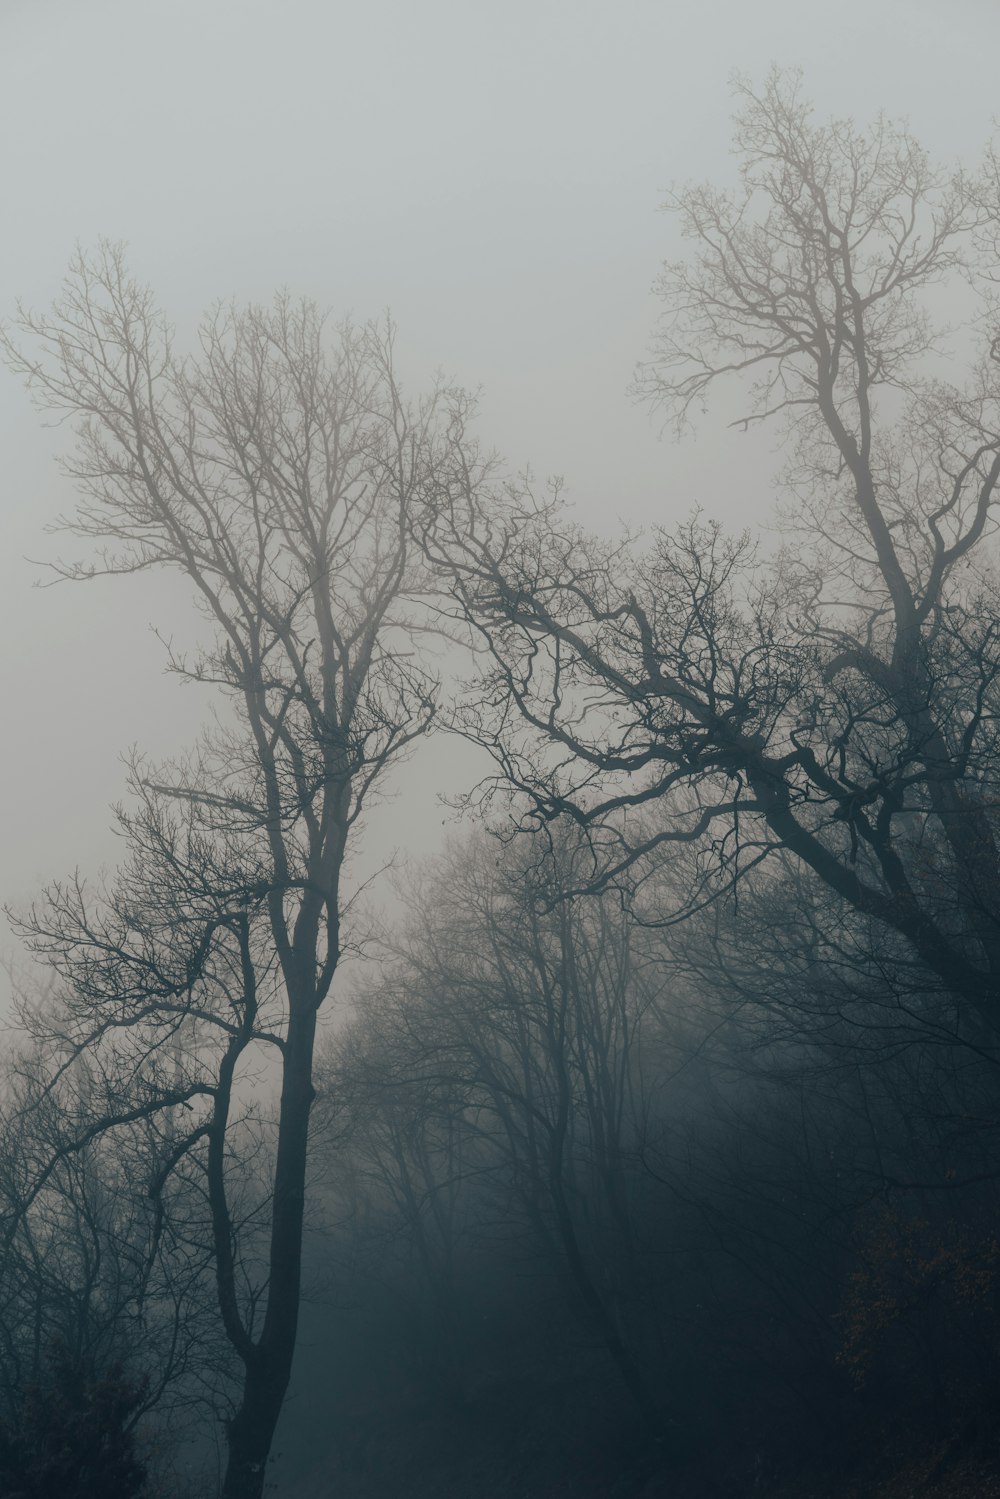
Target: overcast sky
{"points": [[490, 172]]}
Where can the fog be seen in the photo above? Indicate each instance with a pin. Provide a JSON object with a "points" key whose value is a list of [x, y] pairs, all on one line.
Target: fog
{"points": [[787, 1038], [492, 175]]}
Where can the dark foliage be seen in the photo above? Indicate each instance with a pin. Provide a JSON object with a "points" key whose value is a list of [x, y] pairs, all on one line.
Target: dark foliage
{"points": [[72, 1438]]}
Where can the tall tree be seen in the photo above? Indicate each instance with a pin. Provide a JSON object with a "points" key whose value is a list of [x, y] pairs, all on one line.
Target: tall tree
{"points": [[276, 470], [839, 702]]}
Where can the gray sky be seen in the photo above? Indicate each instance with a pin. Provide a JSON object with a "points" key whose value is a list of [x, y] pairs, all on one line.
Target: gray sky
{"points": [[490, 172]]}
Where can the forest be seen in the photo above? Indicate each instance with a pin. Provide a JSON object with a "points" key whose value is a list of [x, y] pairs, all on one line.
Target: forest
{"points": [[642, 1142]]}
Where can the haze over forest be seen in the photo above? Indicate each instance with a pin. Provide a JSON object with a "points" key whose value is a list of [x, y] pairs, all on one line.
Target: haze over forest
{"points": [[502, 843], [492, 176]]}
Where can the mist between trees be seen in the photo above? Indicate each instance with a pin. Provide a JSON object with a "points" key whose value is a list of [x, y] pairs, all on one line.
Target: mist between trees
{"points": [[658, 1153]]}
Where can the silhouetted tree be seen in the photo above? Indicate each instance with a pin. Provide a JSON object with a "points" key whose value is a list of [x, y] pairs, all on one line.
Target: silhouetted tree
{"points": [[88, 1263], [838, 702], [276, 471], [505, 1042]]}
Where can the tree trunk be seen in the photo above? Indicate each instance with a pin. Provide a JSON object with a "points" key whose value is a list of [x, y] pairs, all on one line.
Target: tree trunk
{"points": [[269, 1364], [250, 1435]]}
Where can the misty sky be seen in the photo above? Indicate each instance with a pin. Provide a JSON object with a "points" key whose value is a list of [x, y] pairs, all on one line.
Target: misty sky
{"points": [[490, 172]]}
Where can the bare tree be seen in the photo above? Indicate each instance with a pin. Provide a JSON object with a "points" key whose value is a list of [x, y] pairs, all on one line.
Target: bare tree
{"points": [[511, 1027], [840, 701], [95, 1294], [402, 1160], [276, 470]]}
